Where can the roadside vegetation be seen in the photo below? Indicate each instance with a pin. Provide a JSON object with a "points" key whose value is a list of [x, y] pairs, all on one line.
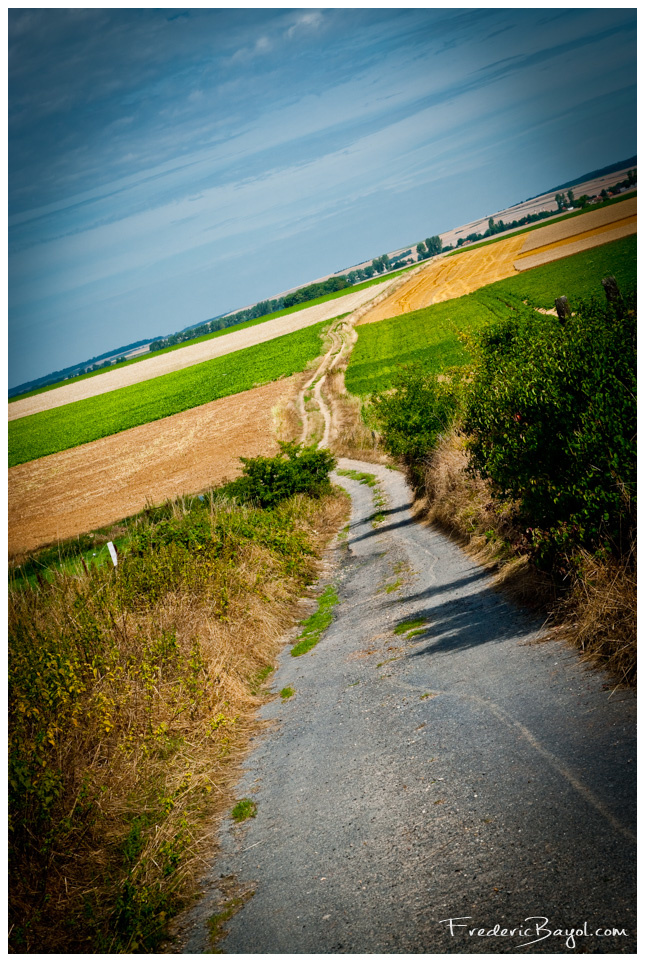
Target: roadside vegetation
{"points": [[528, 452], [131, 698], [82, 421]]}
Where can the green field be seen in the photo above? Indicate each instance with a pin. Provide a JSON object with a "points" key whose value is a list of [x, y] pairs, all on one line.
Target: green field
{"points": [[431, 336], [227, 330], [98, 417]]}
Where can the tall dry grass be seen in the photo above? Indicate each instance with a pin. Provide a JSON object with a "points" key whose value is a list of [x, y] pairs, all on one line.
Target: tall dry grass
{"points": [[132, 698], [350, 436], [596, 611]]}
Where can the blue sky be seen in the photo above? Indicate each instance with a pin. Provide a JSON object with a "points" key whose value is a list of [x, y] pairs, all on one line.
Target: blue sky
{"points": [[169, 165]]}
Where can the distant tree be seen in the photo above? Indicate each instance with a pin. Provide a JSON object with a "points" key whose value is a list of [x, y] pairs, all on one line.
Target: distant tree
{"points": [[421, 249], [604, 194], [433, 245], [570, 196], [631, 178]]}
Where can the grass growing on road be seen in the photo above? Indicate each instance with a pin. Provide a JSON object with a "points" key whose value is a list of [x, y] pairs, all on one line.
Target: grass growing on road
{"points": [[245, 808], [83, 421], [408, 625], [364, 477], [314, 626]]}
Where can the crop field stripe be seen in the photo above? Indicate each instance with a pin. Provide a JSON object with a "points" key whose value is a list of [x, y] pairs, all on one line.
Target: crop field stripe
{"points": [[92, 418], [547, 222], [381, 279], [430, 336]]}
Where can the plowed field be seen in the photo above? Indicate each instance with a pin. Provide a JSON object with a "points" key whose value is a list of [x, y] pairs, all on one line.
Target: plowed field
{"points": [[448, 277], [193, 354], [96, 484]]}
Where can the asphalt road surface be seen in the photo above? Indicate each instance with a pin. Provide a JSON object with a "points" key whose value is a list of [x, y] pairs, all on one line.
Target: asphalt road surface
{"points": [[468, 771]]}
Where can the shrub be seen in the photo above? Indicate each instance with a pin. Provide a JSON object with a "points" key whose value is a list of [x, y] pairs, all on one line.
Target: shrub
{"points": [[414, 414], [296, 470], [552, 415]]}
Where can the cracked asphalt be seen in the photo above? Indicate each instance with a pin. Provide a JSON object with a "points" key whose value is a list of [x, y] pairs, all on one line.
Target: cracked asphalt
{"points": [[464, 769]]}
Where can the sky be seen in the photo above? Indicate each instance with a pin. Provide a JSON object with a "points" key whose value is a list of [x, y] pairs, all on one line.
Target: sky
{"points": [[170, 165]]}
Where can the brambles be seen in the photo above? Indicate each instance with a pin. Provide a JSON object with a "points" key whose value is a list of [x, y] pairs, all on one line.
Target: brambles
{"points": [[414, 414]]}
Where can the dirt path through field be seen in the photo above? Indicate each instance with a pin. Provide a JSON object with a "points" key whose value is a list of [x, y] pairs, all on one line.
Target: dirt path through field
{"points": [[88, 487], [195, 353]]}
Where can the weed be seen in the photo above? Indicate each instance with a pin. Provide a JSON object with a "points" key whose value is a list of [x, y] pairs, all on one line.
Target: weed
{"points": [[287, 692], [314, 626], [216, 922], [408, 625], [393, 587], [245, 808], [429, 694]]}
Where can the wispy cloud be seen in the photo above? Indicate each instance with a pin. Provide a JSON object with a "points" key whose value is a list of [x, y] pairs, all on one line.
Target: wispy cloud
{"points": [[224, 137]]}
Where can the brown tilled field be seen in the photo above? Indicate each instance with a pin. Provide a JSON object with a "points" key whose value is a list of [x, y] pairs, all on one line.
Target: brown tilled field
{"points": [[192, 354], [446, 277], [608, 218], [96, 484]]}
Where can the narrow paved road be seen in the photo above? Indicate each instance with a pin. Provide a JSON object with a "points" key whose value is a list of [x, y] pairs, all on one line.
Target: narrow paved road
{"points": [[461, 769]]}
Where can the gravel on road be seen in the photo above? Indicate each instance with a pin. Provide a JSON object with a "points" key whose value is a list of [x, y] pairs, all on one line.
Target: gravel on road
{"points": [[439, 760]]}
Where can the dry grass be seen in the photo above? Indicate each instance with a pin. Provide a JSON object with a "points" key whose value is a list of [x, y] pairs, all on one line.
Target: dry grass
{"points": [[350, 438], [145, 708], [462, 504], [600, 615]]}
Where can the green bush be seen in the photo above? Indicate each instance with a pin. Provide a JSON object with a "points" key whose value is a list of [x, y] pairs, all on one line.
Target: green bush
{"points": [[296, 470], [414, 414], [552, 415]]}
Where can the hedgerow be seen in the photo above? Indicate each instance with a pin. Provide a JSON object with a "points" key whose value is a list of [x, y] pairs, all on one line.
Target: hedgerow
{"points": [[552, 420]]}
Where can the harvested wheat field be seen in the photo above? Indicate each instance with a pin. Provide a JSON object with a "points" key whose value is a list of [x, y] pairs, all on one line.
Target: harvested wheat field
{"points": [[193, 354], [96, 484], [446, 277]]}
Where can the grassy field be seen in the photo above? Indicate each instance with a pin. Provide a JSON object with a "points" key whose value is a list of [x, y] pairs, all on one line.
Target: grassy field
{"points": [[431, 336], [83, 421], [227, 330]]}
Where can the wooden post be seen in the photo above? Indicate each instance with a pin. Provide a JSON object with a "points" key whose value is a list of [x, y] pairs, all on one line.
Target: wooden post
{"points": [[612, 292], [563, 309]]}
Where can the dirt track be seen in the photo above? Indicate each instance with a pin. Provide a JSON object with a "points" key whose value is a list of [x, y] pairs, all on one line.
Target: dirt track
{"points": [[96, 484], [193, 354], [448, 277]]}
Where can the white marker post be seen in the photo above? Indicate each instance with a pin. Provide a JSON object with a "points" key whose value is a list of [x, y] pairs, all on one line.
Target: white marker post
{"points": [[112, 551]]}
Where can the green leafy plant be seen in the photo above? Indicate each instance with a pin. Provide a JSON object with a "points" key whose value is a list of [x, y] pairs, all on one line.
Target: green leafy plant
{"points": [[296, 470], [552, 415]]}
